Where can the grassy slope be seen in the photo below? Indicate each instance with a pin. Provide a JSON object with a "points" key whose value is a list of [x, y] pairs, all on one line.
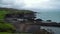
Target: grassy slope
{"points": [[3, 11], [4, 33], [13, 33], [2, 14]]}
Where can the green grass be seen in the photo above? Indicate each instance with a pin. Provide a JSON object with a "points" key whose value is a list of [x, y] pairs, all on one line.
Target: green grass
{"points": [[2, 14], [5, 33], [13, 33]]}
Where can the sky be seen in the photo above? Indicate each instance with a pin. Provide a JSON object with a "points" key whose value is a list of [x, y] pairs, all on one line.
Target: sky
{"points": [[31, 4]]}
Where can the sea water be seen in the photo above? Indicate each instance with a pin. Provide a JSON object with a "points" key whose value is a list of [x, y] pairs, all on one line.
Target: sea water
{"points": [[54, 16]]}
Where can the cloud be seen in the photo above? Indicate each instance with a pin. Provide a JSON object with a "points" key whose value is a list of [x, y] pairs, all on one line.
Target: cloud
{"points": [[31, 4], [51, 4], [11, 3]]}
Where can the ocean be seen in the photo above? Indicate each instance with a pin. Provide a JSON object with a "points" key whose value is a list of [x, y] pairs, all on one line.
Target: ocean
{"points": [[54, 16]]}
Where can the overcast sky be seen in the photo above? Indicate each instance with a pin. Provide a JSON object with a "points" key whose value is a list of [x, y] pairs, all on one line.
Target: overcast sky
{"points": [[31, 4]]}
